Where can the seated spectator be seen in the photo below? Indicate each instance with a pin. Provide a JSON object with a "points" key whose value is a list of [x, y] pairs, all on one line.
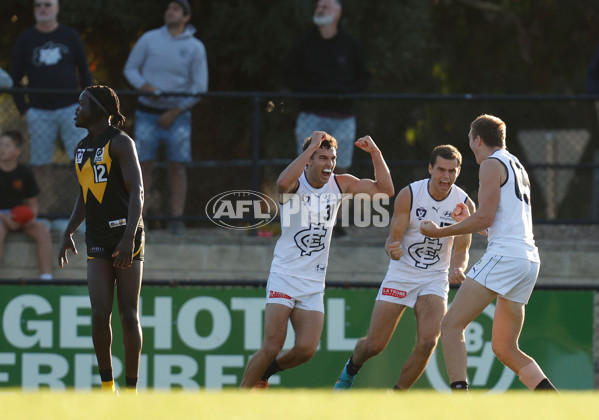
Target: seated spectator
{"points": [[18, 189]]}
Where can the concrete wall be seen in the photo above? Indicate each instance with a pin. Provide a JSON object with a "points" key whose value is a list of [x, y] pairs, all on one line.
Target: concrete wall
{"points": [[232, 255]]}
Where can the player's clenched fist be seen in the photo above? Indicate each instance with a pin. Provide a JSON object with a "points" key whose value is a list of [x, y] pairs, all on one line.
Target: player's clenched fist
{"points": [[457, 276], [394, 250], [460, 212], [429, 228], [367, 144]]}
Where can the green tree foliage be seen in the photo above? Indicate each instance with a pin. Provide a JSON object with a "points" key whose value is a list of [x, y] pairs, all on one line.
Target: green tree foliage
{"points": [[435, 46]]}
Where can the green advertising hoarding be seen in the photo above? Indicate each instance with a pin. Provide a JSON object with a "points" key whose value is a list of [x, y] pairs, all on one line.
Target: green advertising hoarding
{"points": [[201, 337]]}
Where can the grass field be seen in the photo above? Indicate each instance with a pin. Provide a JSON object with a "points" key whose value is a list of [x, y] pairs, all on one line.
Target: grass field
{"points": [[299, 404]]}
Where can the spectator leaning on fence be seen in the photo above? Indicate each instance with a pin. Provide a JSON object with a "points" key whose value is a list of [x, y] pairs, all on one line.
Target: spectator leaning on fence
{"points": [[18, 202], [327, 60], [52, 56], [168, 59]]}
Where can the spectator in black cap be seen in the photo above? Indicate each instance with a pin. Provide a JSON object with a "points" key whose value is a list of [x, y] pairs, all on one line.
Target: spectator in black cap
{"points": [[167, 59]]}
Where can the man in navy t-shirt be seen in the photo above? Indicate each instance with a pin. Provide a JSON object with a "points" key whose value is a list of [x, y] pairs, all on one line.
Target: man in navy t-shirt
{"points": [[52, 56]]}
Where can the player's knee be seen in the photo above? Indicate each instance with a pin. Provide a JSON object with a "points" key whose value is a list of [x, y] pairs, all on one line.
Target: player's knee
{"points": [[270, 349], [374, 346], [426, 345], [448, 326], [101, 316], [503, 350], [129, 318], [305, 352]]}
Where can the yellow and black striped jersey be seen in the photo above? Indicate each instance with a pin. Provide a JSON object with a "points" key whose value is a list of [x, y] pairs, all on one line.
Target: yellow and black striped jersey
{"points": [[102, 188]]}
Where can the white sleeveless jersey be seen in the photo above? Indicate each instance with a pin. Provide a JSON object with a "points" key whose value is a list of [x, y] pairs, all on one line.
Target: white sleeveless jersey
{"points": [[307, 221], [424, 257], [511, 234]]}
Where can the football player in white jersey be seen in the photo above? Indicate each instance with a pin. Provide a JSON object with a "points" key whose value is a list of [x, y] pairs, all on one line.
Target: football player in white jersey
{"points": [[420, 269], [509, 268], [310, 195]]}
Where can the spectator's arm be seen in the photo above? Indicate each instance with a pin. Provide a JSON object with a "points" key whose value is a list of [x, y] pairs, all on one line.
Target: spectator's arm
{"points": [[134, 64], [199, 78], [17, 68], [33, 204]]}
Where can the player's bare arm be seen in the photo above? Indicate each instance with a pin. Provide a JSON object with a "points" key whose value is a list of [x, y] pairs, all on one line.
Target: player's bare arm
{"points": [[399, 223], [382, 183], [491, 176], [461, 245], [77, 217], [288, 179], [124, 150]]}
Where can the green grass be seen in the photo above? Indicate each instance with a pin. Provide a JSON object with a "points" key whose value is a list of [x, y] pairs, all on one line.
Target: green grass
{"points": [[299, 404]]}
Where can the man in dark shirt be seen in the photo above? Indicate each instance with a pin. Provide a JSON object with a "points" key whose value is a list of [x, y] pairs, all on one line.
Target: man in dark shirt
{"points": [[18, 187], [327, 60], [52, 56]]}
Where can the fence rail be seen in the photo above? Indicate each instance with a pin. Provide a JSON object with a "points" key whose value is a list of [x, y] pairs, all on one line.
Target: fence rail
{"points": [[242, 140]]}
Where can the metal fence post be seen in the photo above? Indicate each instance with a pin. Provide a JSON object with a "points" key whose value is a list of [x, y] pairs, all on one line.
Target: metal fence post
{"points": [[595, 188], [256, 143]]}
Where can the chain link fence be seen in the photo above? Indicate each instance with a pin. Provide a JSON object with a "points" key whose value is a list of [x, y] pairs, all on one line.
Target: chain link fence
{"points": [[242, 141]]}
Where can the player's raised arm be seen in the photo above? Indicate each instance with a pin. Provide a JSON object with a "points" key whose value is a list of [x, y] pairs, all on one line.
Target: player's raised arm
{"points": [[287, 181], [382, 183]]}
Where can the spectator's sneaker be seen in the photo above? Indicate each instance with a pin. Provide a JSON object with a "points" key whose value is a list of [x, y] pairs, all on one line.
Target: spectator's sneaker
{"points": [[345, 381], [261, 384]]}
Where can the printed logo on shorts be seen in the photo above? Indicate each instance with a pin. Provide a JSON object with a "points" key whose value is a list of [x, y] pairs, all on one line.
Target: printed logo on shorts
{"points": [[94, 249], [320, 268], [116, 223], [79, 155], [278, 295], [387, 291]]}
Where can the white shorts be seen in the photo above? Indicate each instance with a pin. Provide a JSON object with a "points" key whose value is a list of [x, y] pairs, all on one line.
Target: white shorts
{"points": [[511, 278], [407, 292], [295, 292]]}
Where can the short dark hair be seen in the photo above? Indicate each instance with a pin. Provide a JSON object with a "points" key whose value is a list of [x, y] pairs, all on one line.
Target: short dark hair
{"points": [[491, 130], [328, 143], [15, 136], [446, 151], [184, 5]]}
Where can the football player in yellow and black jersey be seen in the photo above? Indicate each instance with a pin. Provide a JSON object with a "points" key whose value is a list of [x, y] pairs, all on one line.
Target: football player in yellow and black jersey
{"points": [[110, 201]]}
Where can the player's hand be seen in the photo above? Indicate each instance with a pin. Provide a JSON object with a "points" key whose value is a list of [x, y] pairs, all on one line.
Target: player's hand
{"points": [[460, 212], [430, 229], [123, 254], [394, 250], [67, 243], [367, 144], [317, 138], [456, 276]]}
